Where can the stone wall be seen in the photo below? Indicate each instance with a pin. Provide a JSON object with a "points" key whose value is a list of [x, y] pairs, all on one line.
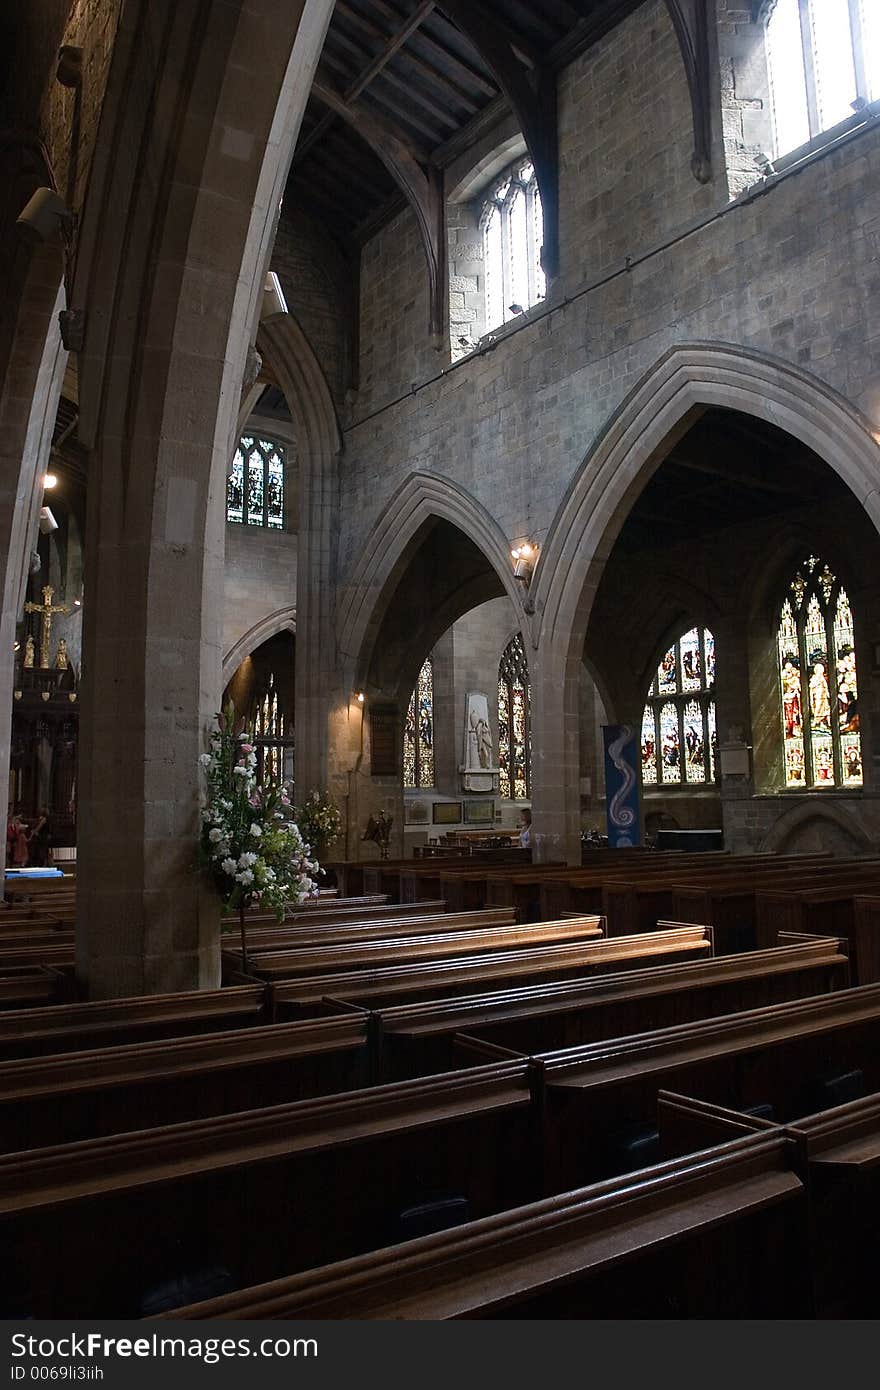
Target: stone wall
{"points": [[650, 260], [789, 272], [259, 578]]}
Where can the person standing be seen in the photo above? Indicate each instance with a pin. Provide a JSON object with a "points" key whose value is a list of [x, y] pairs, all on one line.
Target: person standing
{"points": [[525, 829]]}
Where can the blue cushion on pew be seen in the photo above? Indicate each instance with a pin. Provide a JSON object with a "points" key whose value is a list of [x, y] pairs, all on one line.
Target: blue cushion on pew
{"points": [[430, 1217], [760, 1112], [191, 1286], [837, 1088], [635, 1148]]}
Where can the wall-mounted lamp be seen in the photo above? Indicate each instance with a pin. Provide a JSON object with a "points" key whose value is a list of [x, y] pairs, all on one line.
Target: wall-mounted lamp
{"points": [[273, 297], [44, 216], [360, 696], [48, 524], [525, 557], [50, 481]]}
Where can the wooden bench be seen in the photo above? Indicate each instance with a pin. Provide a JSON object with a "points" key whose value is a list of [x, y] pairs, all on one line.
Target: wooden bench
{"points": [[416, 1039], [363, 955], [829, 908], [444, 979], [718, 1234], [107, 1023], [29, 986], [79, 1095], [372, 929], [787, 1058]]}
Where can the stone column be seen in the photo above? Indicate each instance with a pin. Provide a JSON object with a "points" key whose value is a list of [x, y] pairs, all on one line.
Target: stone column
{"points": [[555, 685]]}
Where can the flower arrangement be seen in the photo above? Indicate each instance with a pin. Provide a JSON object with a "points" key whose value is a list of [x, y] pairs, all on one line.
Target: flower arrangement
{"points": [[319, 821], [250, 842]]}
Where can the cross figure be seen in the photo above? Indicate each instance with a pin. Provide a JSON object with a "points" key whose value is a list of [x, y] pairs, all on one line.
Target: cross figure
{"points": [[47, 610]]}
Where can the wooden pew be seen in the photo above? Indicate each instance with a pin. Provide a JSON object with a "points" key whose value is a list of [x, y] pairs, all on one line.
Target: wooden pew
{"points": [[416, 1039], [444, 979], [839, 1152], [107, 1023], [717, 1234], [81, 1095], [373, 929], [257, 1193], [866, 935], [827, 908], [54, 1099], [29, 986], [363, 955], [787, 1057]]}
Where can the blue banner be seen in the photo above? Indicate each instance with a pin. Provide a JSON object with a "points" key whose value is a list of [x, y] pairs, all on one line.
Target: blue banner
{"points": [[623, 809]]}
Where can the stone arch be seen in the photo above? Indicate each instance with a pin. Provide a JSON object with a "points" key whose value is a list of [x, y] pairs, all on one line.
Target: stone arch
{"points": [[282, 620], [794, 824], [658, 411], [688, 379], [420, 498]]}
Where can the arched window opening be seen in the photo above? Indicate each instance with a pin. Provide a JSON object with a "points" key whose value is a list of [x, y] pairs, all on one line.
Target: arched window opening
{"points": [[513, 233], [818, 684], [272, 738], [418, 732], [255, 488], [823, 60], [679, 735], [514, 723]]}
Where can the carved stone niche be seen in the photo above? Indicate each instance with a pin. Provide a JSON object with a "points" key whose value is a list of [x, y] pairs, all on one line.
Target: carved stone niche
{"points": [[478, 769]]}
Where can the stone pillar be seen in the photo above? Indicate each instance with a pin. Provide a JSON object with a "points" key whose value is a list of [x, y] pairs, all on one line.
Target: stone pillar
{"points": [[555, 756], [172, 252]]}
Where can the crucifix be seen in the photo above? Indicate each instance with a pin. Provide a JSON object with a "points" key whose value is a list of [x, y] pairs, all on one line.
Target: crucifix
{"points": [[47, 610]]}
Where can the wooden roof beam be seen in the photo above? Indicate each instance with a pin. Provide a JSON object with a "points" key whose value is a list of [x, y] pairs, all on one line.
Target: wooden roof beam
{"points": [[422, 185], [394, 44], [532, 96], [690, 20]]}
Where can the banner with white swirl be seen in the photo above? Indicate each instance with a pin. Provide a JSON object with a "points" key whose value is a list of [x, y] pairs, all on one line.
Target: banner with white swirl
{"points": [[623, 810]]}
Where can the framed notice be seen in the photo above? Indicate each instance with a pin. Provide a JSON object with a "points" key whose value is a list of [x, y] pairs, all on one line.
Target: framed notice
{"points": [[447, 812], [383, 740], [479, 813]]}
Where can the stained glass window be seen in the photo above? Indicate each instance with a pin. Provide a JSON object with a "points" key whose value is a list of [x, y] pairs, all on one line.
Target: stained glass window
{"points": [[514, 723], [513, 233], [418, 732], [272, 738], [255, 488], [822, 57], [679, 738], [818, 685]]}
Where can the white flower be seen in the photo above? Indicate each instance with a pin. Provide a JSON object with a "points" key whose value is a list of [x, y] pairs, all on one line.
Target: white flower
{"points": [[246, 876], [256, 830], [241, 772], [246, 860], [229, 866], [215, 835], [206, 760]]}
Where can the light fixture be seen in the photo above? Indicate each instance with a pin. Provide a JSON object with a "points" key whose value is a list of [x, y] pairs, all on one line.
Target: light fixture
{"points": [[50, 481], [77, 603], [48, 524], [44, 216], [273, 297], [524, 558], [360, 696]]}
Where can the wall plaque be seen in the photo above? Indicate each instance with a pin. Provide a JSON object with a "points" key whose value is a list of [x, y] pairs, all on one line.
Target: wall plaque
{"points": [[383, 740]]}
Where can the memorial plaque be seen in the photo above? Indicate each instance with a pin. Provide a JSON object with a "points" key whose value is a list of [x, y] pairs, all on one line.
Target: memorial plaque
{"points": [[383, 740]]}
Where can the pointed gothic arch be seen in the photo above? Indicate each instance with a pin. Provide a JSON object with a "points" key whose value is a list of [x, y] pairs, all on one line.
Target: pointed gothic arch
{"points": [[658, 411], [421, 498]]}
